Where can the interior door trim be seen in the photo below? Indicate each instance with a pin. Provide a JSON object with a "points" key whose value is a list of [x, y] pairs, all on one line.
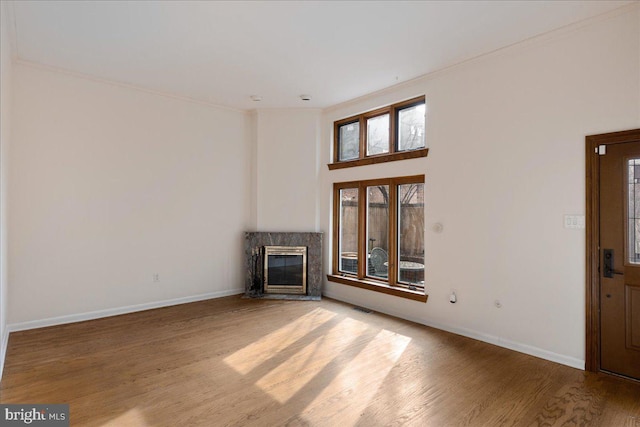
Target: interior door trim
{"points": [[592, 224]]}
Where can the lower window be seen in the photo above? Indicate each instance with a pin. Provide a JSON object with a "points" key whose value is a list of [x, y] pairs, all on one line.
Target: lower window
{"points": [[379, 233]]}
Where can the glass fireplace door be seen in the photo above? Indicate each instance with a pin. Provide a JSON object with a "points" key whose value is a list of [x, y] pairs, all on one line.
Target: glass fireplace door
{"points": [[285, 269]]}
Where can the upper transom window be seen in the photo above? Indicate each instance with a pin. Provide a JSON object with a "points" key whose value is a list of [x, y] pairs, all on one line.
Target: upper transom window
{"points": [[391, 133]]}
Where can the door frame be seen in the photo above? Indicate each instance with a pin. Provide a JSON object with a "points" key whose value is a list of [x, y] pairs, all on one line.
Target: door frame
{"points": [[592, 224]]}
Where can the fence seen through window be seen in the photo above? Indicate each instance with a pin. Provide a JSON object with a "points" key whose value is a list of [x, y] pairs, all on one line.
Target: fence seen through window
{"points": [[379, 226]]}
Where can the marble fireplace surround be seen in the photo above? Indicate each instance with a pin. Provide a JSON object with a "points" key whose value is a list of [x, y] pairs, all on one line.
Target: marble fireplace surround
{"points": [[313, 241]]}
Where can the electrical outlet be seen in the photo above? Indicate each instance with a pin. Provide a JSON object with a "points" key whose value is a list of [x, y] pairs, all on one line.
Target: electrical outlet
{"points": [[156, 277]]}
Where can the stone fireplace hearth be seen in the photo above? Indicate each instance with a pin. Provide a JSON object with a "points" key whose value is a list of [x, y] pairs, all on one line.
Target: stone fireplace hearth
{"points": [[254, 245]]}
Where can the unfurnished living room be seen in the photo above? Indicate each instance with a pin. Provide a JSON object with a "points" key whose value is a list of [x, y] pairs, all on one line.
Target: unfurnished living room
{"points": [[320, 213]]}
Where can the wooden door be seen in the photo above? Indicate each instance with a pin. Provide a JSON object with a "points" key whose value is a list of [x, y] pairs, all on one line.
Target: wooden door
{"points": [[619, 253]]}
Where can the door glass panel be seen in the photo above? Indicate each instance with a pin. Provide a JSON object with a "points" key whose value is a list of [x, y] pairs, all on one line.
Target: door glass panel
{"points": [[633, 209], [378, 231], [348, 239], [411, 234]]}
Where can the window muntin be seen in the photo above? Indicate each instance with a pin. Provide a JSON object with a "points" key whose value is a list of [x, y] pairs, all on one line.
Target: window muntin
{"points": [[390, 232], [395, 132]]}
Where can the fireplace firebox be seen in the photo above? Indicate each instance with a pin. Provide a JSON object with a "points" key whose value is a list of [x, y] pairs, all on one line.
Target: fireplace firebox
{"points": [[285, 269]]}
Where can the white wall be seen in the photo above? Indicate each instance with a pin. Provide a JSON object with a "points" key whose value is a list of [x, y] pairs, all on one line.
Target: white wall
{"points": [[288, 143], [6, 72], [110, 185], [506, 134]]}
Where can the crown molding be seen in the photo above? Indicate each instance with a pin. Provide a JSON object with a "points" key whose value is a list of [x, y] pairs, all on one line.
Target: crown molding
{"points": [[95, 79], [12, 31], [527, 43]]}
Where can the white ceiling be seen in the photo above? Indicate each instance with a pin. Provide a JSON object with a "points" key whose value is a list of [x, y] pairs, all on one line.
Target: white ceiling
{"points": [[223, 52]]}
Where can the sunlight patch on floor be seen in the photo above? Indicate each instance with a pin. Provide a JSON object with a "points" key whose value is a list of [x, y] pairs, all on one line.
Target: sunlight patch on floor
{"points": [[133, 417], [256, 353], [350, 392], [283, 382]]}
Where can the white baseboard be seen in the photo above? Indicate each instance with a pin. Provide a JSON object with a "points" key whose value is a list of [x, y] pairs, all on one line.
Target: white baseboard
{"points": [[480, 336], [3, 349], [72, 318], [512, 345]]}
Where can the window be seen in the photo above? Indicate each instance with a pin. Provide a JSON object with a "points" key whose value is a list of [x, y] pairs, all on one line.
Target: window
{"points": [[379, 235], [633, 206], [378, 135], [411, 127], [350, 137], [391, 133], [348, 238]]}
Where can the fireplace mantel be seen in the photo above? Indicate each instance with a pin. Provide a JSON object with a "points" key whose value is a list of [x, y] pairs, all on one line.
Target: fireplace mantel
{"points": [[256, 240]]}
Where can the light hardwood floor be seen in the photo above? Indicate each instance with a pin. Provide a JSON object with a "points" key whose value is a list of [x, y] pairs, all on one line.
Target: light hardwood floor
{"points": [[242, 362]]}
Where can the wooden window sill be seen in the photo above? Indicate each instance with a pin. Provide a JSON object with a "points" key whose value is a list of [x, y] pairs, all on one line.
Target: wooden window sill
{"points": [[383, 158], [379, 287]]}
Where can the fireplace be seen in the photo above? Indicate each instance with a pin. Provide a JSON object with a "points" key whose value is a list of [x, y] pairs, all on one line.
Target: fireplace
{"points": [[285, 270], [303, 264]]}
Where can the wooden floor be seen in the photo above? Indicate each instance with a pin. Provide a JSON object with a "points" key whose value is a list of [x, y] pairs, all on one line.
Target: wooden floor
{"points": [[290, 363]]}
